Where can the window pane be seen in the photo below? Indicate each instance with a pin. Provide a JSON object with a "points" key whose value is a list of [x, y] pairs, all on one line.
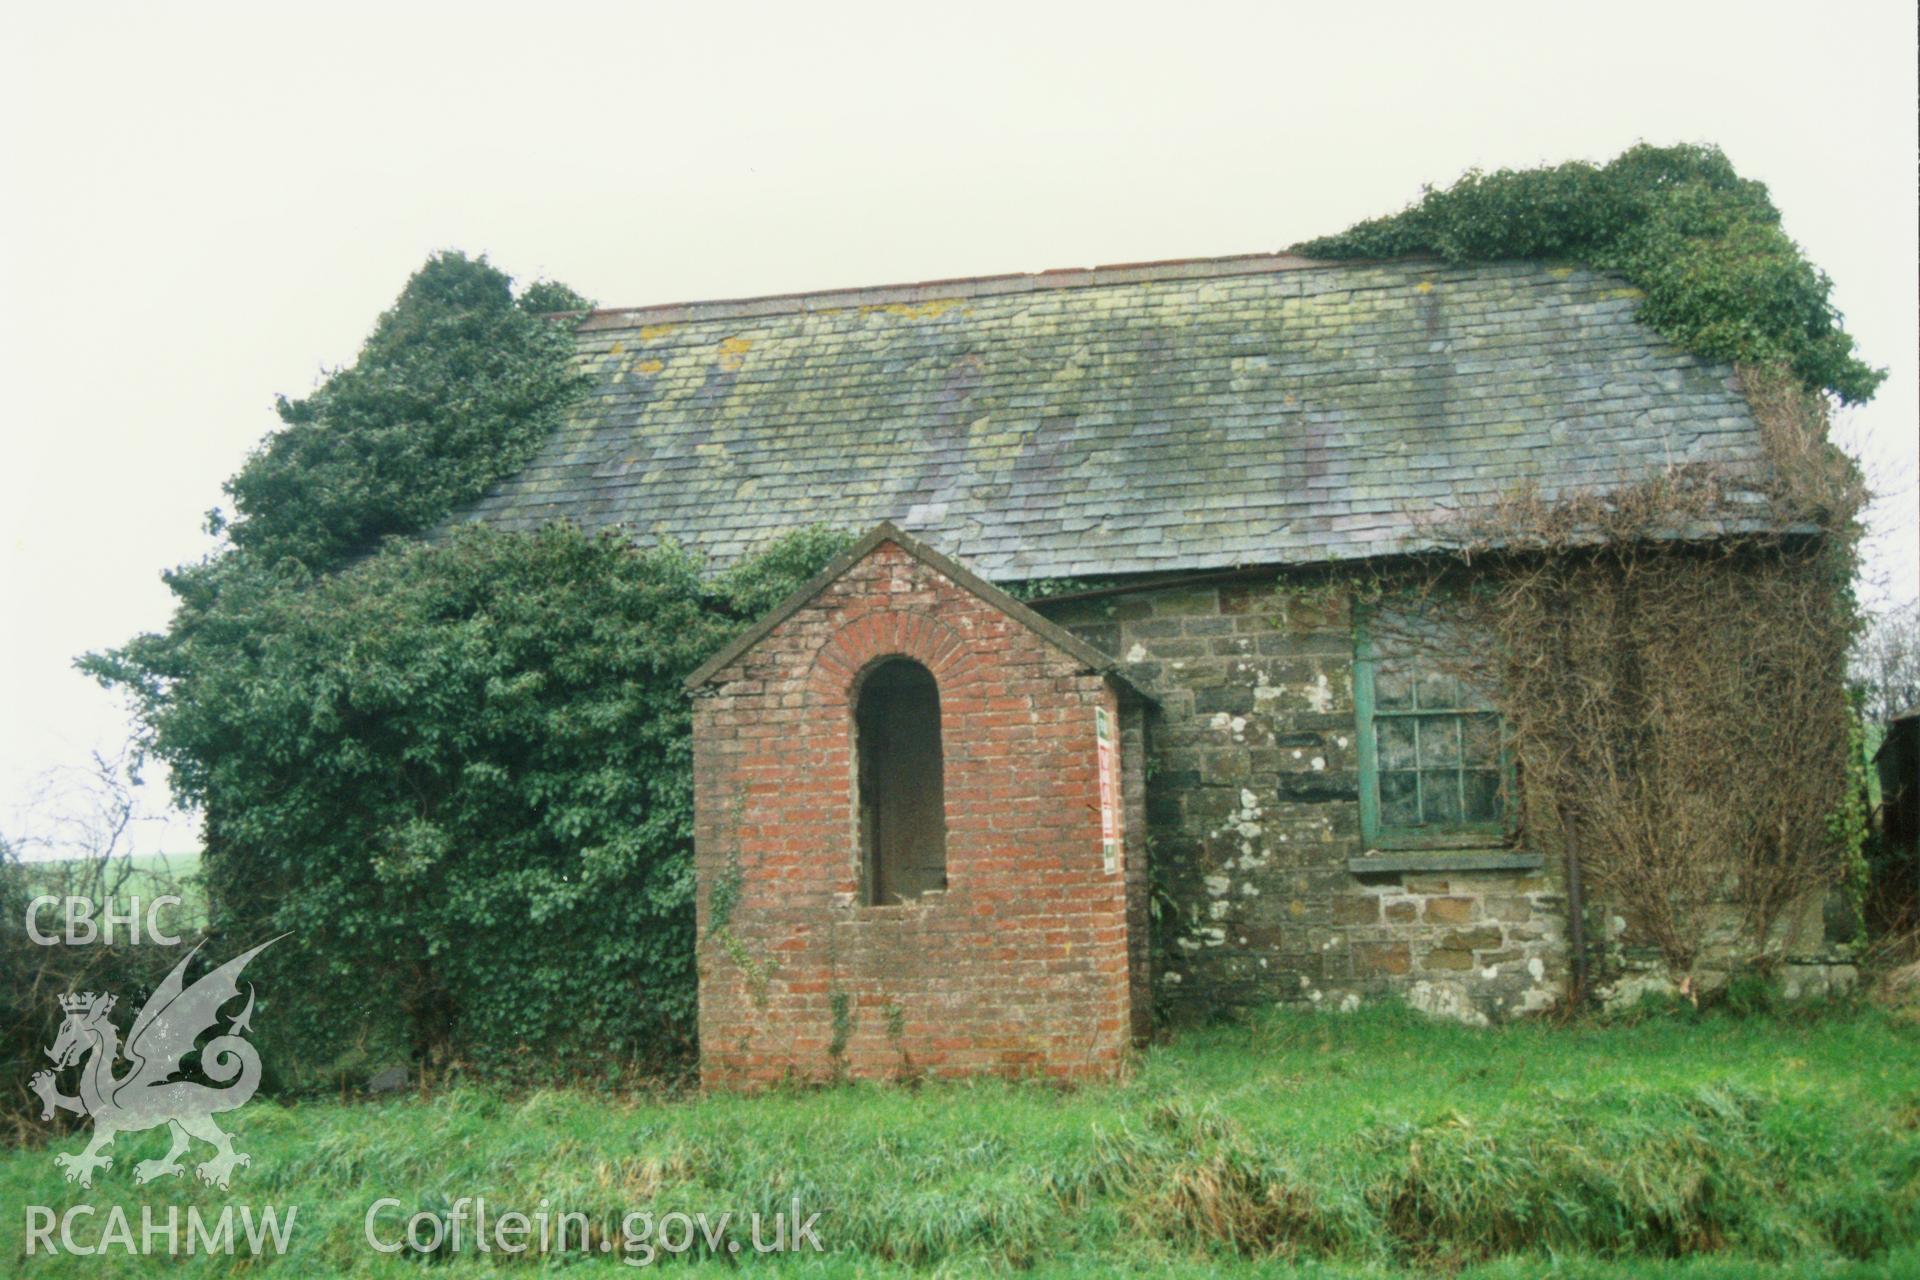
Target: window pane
{"points": [[1483, 795], [1396, 742], [1470, 696], [1392, 687], [1398, 805], [1439, 740], [1481, 735], [1439, 795], [1436, 690]]}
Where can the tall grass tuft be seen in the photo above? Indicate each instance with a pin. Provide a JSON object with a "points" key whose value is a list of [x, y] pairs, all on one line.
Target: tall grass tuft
{"points": [[1375, 1144]]}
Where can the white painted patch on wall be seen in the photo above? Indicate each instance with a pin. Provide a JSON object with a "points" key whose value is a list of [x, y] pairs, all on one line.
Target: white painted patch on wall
{"points": [[1445, 1000], [1320, 693]]}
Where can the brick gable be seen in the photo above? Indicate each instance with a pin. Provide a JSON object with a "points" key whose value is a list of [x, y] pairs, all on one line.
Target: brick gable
{"points": [[1021, 965]]}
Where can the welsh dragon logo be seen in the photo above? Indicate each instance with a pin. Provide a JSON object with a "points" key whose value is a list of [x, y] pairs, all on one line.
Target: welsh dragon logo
{"points": [[150, 1092]]}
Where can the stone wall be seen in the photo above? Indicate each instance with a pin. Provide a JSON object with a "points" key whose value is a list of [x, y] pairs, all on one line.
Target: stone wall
{"points": [[1021, 965], [1812, 964], [1253, 813]]}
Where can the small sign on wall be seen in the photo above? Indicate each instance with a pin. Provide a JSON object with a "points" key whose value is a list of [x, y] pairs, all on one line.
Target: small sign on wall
{"points": [[1109, 789]]}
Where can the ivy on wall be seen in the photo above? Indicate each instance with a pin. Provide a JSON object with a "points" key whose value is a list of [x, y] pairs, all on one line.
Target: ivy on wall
{"points": [[457, 771]]}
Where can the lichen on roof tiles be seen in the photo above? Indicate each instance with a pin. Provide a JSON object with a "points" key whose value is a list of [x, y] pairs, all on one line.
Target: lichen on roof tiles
{"points": [[1187, 416]]}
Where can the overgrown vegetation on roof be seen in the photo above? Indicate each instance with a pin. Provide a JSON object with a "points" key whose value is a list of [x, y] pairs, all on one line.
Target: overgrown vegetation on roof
{"points": [[458, 771], [1721, 277], [456, 387], [1626, 657]]}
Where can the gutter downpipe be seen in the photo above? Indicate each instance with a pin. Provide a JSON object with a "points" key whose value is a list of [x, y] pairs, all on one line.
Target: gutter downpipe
{"points": [[1576, 912]]}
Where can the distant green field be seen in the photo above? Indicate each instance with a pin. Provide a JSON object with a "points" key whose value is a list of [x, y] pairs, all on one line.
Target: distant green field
{"points": [[145, 876], [1310, 1145]]}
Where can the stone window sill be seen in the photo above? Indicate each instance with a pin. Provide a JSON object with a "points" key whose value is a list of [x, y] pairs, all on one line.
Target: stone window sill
{"points": [[1384, 863]]}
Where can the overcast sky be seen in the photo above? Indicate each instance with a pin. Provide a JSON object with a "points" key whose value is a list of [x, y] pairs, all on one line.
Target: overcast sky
{"points": [[205, 206]]}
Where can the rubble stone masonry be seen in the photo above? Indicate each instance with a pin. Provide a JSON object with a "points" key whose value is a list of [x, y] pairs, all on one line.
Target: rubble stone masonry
{"points": [[1253, 806]]}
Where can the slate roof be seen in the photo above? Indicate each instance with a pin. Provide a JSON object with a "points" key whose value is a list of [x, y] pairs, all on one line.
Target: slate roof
{"points": [[1190, 415]]}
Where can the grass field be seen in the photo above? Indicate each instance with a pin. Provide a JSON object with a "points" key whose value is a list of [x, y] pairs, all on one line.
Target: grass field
{"points": [[1366, 1145], [145, 876]]}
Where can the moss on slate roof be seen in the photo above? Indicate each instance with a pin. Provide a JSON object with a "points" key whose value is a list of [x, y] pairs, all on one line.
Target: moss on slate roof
{"points": [[1174, 416]]}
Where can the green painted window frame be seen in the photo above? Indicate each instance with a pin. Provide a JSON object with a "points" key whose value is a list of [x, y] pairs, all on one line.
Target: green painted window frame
{"points": [[1452, 835]]}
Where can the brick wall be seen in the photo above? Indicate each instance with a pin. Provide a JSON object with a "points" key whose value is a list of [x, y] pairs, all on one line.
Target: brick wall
{"points": [[1253, 810], [1021, 965]]}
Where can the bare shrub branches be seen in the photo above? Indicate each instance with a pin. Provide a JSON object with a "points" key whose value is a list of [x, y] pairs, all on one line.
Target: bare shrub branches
{"points": [[75, 843], [1669, 664], [1679, 712], [1886, 661]]}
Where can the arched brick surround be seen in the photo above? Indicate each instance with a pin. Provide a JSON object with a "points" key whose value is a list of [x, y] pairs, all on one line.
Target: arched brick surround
{"points": [[884, 633], [1021, 964]]}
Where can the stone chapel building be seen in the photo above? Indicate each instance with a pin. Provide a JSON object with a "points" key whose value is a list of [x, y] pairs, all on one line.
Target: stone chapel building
{"points": [[942, 831]]}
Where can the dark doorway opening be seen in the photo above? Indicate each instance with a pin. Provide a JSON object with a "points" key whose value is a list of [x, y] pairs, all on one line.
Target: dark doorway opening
{"points": [[903, 813]]}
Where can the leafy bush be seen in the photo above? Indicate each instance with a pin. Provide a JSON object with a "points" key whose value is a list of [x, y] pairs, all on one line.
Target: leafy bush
{"points": [[456, 387], [457, 773], [1721, 277], [33, 976], [460, 775]]}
